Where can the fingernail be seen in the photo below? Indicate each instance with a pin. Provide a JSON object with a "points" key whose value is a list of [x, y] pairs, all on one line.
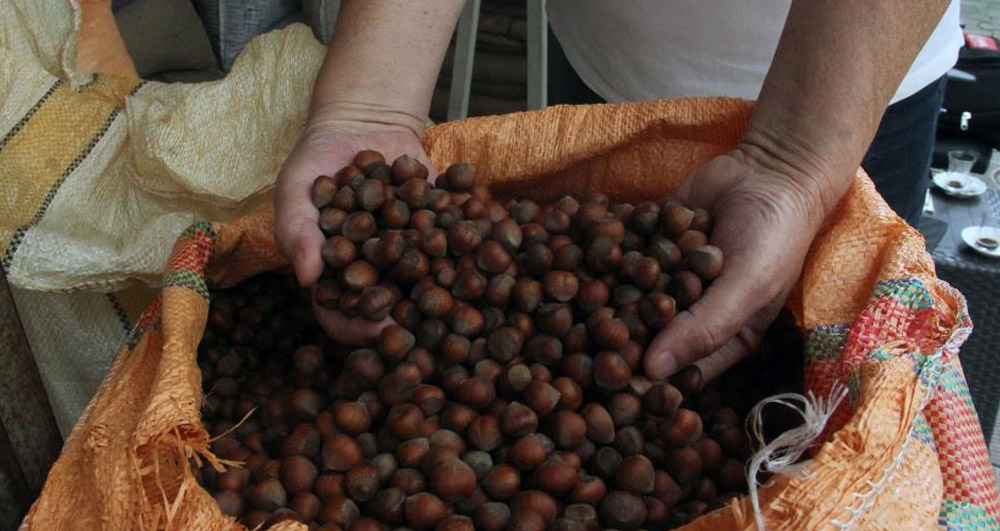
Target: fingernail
{"points": [[667, 365]]}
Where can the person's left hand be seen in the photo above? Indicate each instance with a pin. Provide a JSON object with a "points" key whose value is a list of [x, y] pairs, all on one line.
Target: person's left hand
{"points": [[764, 222]]}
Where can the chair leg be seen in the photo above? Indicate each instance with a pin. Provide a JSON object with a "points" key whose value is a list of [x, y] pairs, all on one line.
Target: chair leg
{"points": [[465, 51], [537, 55]]}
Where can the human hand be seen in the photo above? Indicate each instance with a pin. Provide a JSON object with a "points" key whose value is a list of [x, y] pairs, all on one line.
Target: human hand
{"points": [[765, 220], [322, 150]]}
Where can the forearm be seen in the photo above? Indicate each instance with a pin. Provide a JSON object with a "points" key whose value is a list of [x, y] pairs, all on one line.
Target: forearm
{"points": [[837, 65], [383, 61]]}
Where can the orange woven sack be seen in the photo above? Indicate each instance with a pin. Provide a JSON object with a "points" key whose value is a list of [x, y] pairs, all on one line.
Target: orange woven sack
{"points": [[904, 451]]}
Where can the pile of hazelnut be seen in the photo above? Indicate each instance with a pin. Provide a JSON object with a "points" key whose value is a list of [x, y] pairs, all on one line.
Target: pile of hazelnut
{"points": [[507, 394]]}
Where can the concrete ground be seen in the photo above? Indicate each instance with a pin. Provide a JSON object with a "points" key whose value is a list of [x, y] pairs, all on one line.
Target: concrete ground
{"points": [[981, 17]]}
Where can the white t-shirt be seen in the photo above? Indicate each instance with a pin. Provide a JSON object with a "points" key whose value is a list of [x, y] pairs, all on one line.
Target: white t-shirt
{"points": [[649, 49]]}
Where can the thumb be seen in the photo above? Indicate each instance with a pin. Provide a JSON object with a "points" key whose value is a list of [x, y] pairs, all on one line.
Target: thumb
{"points": [[708, 324]]}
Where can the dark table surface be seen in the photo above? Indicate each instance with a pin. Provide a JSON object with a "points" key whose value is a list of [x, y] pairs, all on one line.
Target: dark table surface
{"points": [[978, 278]]}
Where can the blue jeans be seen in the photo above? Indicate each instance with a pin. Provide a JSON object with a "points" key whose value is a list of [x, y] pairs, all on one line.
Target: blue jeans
{"points": [[898, 159]]}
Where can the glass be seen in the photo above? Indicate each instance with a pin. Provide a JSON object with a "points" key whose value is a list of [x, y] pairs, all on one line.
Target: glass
{"points": [[961, 161], [988, 235]]}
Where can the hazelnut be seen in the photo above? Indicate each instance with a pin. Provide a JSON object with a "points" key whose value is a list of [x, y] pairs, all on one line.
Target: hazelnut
{"points": [[306, 504], [385, 466], [554, 319], [430, 399], [705, 261], [661, 400], [435, 302], [555, 476], [351, 418], [476, 392], [404, 421], [340, 510], [359, 275], [683, 464], [388, 504], [524, 212], [323, 190], [361, 482], [526, 294], [406, 168], [340, 453], [666, 489], [424, 511], [711, 454], [457, 417], [453, 479], [430, 333], [327, 486], [568, 429], [233, 479], [611, 372], [492, 516], [732, 476], [533, 233], [536, 260], [469, 285], [268, 495], [409, 480], [395, 341], [339, 252], [688, 380], [502, 481], [376, 303], [423, 221], [675, 218], [518, 420], [412, 452], [528, 452], [415, 192], [230, 502], [636, 475], [571, 394], [367, 159], [691, 240], [467, 321], [297, 474], [592, 295], [370, 195], [685, 287], [567, 257], [588, 490], [540, 396], [684, 428], [395, 214], [624, 408], [515, 378], [492, 257], [505, 343], [535, 501], [488, 369], [412, 266], [603, 255]]}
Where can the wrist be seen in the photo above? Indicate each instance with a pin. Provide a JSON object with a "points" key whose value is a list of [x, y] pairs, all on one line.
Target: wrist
{"points": [[361, 117], [820, 180]]}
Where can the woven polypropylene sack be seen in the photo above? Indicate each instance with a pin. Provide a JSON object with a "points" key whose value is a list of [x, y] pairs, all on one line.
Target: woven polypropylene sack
{"points": [[904, 452]]}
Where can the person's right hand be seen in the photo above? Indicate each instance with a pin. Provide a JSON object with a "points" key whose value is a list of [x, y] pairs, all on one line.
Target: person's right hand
{"points": [[323, 150]]}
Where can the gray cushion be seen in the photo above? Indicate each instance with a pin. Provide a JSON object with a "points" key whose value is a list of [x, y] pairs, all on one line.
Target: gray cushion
{"points": [[164, 35]]}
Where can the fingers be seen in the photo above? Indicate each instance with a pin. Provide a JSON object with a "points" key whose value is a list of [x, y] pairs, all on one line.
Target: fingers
{"points": [[296, 228], [355, 331], [744, 343], [707, 325]]}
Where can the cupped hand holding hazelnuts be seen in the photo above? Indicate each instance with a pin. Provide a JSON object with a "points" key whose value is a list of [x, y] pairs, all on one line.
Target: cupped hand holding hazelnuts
{"points": [[322, 150], [766, 213]]}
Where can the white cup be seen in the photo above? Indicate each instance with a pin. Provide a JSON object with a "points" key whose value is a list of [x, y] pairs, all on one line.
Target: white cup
{"points": [[961, 161]]}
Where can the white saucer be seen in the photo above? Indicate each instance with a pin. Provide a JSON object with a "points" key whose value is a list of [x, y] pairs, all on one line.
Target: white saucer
{"points": [[969, 236], [959, 184]]}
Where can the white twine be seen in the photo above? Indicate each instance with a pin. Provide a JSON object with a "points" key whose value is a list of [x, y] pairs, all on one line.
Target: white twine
{"points": [[781, 455]]}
